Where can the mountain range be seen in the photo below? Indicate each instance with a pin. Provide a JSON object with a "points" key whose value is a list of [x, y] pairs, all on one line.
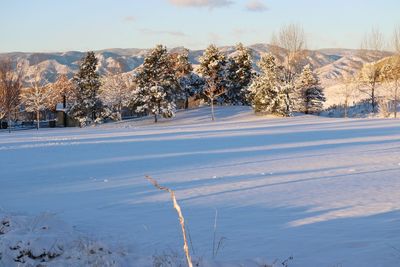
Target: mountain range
{"points": [[330, 64]]}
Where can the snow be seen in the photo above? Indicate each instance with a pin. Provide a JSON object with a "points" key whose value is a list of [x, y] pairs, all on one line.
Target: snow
{"points": [[323, 190]]}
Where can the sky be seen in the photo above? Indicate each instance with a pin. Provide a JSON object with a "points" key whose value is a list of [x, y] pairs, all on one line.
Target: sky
{"points": [[82, 25]]}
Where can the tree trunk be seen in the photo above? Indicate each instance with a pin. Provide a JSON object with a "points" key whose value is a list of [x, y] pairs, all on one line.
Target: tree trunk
{"points": [[155, 118], [37, 119], [212, 110], [373, 102], [395, 100], [9, 122], [186, 100]]}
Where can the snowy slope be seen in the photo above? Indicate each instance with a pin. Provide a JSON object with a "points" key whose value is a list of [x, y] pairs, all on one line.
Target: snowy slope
{"points": [[329, 63], [325, 191]]}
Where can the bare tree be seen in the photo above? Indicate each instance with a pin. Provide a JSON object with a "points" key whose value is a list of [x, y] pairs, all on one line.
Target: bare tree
{"points": [[349, 86], [10, 86], [290, 45], [391, 76], [116, 92], [63, 91], [370, 75], [396, 40], [38, 96]]}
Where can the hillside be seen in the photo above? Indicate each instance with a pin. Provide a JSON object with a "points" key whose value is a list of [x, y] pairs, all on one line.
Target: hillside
{"points": [[329, 63]]}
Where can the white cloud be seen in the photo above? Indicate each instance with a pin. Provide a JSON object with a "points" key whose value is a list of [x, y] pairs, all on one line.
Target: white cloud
{"points": [[201, 3], [256, 6], [155, 32], [129, 19]]}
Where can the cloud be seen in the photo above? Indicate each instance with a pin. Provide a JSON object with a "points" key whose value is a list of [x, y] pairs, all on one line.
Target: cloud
{"points": [[239, 32], [256, 6], [154, 32], [129, 19], [201, 3], [214, 38]]}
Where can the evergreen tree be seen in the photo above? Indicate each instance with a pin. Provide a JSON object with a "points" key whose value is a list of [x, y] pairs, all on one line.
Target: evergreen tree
{"points": [[213, 70], [157, 84], [267, 93], [239, 75], [189, 82], [192, 85], [88, 107], [309, 95]]}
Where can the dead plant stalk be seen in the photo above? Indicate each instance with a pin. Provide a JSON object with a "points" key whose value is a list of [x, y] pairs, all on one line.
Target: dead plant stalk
{"points": [[180, 215]]}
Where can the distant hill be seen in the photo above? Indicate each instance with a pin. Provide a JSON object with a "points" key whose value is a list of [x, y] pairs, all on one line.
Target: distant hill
{"points": [[330, 64]]}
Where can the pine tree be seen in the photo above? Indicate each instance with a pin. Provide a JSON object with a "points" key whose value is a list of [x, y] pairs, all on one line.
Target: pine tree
{"points": [[157, 84], [309, 95], [192, 85], [188, 81], [88, 107], [239, 75], [267, 93], [213, 70]]}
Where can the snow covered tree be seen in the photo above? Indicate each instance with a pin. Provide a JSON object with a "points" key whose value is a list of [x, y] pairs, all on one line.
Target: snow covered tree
{"points": [[289, 44], [38, 97], [267, 92], [157, 84], [64, 91], [87, 107], [391, 78], [116, 92], [10, 87], [239, 75], [190, 83], [213, 70], [371, 73], [310, 94]]}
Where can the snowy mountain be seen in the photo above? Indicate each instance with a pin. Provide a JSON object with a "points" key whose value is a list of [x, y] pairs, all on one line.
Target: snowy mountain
{"points": [[347, 62], [330, 64]]}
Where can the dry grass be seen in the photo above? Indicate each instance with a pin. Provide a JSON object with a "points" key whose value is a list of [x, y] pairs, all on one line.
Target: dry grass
{"points": [[180, 215]]}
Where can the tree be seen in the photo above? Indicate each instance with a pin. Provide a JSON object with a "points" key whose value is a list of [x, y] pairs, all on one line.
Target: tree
{"points": [[87, 107], [391, 76], [10, 87], [191, 85], [370, 74], [239, 75], [347, 91], [38, 97], [290, 44], [213, 70], [267, 91], [184, 74], [311, 96], [157, 84], [63, 91], [116, 92]]}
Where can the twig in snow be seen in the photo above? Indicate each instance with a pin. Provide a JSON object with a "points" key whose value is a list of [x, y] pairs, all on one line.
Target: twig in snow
{"points": [[180, 215]]}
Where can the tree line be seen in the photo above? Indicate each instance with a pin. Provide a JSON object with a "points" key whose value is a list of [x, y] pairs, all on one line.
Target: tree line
{"points": [[283, 83]]}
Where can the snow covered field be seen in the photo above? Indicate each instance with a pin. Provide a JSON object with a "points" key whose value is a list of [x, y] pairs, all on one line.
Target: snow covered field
{"points": [[325, 191]]}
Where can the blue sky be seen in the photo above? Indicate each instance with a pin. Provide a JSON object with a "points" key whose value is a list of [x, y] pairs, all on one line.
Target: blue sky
{"points": [[62, 25]]}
